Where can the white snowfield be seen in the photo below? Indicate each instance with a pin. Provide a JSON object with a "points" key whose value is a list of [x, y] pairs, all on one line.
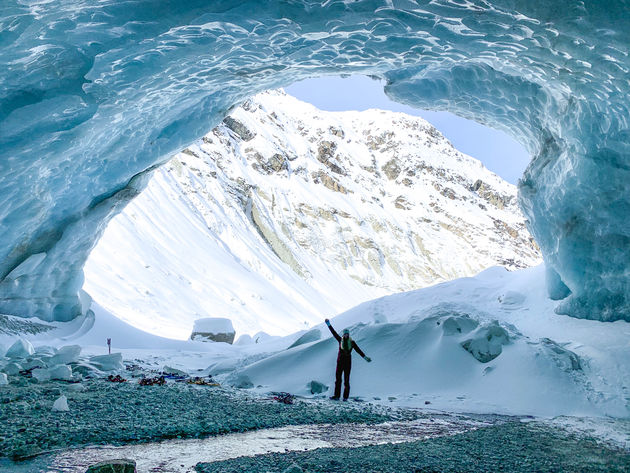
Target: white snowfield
{"points": [[291, 213], [213, 325], [542, 364]]}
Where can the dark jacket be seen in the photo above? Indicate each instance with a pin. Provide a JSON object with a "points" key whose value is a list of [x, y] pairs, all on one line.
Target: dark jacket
{"points": [[345, 353]]}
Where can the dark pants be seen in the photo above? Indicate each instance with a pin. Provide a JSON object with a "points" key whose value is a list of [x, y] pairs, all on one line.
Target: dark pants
{"points": [[344, 363]]}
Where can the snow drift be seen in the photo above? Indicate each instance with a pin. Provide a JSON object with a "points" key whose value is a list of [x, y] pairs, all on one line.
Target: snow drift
{"points": [[95, 94], [491, 343]]}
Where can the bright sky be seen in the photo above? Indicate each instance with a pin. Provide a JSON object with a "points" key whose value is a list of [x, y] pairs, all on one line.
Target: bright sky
{"points": [[496, 150]]}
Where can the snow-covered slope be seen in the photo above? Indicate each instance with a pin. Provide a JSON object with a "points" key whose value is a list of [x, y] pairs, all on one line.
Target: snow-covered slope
{"points": [[491, 343], [285, 214]]}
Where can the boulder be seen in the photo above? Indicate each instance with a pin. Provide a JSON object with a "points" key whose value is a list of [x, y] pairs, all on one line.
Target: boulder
{"points": [[458, 324], [213, 329], [316, 387], [170, 370], [41, 374], [61, 404], [3, 379], [12, 369], [564, 358], [487, 342], [65, 355], [45, 350], [308, 337], [75, 388], [391, 169], [107, 362], [242, 381], [239, 128], [34, 362], [113, 466], [20, 349], [61, 372], [294, 468]]}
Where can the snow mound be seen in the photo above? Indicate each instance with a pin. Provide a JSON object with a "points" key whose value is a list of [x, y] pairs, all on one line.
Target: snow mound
{"points": [[308, 337], [459, 346]]}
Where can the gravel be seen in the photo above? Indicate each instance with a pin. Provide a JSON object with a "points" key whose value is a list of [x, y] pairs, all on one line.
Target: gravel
{"points": [[511, 447], [118, 413]]}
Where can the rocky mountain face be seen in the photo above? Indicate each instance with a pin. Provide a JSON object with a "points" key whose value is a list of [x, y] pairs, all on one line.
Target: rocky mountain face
{"points": [[381, 196], [328, 209]]}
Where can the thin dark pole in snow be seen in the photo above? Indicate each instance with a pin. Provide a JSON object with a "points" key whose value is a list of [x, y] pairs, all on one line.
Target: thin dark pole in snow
{"points": [[109, 345]]}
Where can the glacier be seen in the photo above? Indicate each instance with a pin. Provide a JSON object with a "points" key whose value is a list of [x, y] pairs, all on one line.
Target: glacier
{"points": [[95, 94]]}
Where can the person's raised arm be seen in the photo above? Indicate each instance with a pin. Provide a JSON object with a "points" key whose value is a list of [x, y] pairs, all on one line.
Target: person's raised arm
{"points": [[332, 330], [360, 352]]}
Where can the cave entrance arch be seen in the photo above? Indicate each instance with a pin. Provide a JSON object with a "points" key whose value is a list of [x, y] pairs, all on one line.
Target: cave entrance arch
{"points": [[293, 213], [89, 106]]}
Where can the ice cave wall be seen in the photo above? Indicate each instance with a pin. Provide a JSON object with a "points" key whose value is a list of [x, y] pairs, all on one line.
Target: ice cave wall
{"points": [[93, 94]]}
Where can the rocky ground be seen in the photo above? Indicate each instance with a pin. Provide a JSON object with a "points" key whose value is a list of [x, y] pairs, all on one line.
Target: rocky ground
{"points": [[107, 413], [512, 446], [101, 412]]}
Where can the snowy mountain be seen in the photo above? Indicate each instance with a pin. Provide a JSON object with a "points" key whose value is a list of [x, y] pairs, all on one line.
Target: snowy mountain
{"points": [[285, 214]]}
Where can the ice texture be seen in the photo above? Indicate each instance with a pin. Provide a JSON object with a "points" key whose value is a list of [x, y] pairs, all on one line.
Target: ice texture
{"points": [[93, 95]]}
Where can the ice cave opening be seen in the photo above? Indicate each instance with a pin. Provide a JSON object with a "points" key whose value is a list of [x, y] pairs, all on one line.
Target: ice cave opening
{"points": [[307, 212], [95, 96]]}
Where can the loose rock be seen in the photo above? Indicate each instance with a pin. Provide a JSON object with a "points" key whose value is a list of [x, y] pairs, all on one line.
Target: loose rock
{"points": [[113, 466], [20, 349], [317, 388], [12, 369], [65, 355], [61, 404]]}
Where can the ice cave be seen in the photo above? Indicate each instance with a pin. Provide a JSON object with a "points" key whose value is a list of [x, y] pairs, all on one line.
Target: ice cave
{"points": [[95, 95]]}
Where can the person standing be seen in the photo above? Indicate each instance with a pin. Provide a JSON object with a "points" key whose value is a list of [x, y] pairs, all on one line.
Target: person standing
{"points": [[344, 361]]}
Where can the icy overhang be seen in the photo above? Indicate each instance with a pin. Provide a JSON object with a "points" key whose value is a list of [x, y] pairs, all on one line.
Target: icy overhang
{"points": [[95, 93]]}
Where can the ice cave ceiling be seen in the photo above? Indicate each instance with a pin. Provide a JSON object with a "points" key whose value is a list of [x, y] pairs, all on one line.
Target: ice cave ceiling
{"points": [[95, 93]]}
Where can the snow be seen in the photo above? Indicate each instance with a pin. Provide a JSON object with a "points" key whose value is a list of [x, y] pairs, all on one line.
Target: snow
{"points": [[92, 103], [418, 352], [526, 360], [213, 325]]}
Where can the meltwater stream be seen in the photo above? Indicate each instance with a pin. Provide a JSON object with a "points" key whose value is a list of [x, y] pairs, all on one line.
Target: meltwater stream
{"points": [[182, 455]]}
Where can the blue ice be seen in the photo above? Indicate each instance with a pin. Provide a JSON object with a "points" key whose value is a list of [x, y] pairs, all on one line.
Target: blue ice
{"points": [[94, 94]]}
